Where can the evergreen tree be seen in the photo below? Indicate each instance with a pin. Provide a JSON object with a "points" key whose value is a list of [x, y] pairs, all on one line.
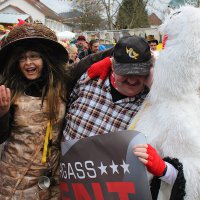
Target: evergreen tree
{"points": [[132, 14]]}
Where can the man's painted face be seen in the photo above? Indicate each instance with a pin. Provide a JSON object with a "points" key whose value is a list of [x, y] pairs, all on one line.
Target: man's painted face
{"points": [[31, 64]]}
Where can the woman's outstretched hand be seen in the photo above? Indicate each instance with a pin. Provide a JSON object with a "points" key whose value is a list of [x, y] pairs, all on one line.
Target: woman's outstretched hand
{"points": [[5, 97]]}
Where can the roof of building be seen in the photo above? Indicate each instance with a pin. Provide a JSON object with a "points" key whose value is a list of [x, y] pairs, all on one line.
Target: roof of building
{"points": [[14, 7], [154, 20], [42, 8]]}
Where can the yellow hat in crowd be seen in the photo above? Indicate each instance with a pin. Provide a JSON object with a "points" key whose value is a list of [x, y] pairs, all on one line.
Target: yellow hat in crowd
{"points": [[2, 29]]}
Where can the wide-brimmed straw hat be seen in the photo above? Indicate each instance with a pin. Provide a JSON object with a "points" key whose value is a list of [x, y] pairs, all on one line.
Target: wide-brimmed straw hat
{"points": [[30, 34]]}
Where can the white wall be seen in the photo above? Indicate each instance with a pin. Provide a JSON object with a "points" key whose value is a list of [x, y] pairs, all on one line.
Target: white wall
{"points": [[10, 10], [108, 35], [27, 8], [57, 26], [35, 14]]}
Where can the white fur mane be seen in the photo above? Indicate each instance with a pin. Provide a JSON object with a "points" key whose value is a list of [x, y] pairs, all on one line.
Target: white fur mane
{"points": [[177, 70], [171, 117]]}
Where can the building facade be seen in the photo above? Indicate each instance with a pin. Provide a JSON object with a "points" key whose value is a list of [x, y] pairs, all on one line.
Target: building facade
{"points": [[30, 10]]}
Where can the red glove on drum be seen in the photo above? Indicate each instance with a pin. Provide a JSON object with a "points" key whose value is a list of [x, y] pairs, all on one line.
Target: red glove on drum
{"points": [[155, 164], [100, 69]]}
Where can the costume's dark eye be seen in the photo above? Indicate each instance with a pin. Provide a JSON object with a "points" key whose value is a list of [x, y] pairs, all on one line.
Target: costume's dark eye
{"points": [[174, 14]]}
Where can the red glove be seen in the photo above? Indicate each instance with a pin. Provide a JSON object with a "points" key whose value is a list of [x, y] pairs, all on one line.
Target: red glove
{"points": [[155, 164], [100, 69]]}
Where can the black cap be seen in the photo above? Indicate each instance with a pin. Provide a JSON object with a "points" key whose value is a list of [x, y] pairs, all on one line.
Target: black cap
{"points": [[132, 56]]}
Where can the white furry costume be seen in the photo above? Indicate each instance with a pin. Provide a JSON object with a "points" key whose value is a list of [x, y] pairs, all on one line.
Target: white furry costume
{"points": [[171, 118]]}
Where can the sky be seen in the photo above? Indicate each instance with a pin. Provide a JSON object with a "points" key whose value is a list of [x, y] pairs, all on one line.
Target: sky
{"points": [[58, 5]]}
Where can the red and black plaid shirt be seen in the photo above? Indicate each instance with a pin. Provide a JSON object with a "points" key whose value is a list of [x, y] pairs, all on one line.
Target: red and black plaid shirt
{"points": [[92, 110]]}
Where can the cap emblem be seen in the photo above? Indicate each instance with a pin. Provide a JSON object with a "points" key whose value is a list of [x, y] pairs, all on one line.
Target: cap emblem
{"points": [[132, 53]]}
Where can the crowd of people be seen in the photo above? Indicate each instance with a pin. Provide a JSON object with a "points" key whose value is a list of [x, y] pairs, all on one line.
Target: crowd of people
{"points": [[48, 92]]}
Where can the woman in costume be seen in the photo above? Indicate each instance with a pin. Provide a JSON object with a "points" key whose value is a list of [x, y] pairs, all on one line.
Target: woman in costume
{"points": [[33, 94]]}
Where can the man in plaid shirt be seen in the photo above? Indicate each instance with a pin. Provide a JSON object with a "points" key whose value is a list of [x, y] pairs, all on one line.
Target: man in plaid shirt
{"points": [[95, 109]]}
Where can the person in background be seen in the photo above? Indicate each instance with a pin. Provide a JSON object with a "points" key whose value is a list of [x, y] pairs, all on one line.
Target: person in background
{"points": [[102, 47], [2, 33], [2, 30], [73, 54], [153, 43], [93, 48], [81, 43]]}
